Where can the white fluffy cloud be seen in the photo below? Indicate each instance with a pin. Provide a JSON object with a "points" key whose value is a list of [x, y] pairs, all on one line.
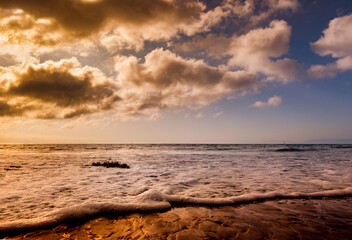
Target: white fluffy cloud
{"points": [[261, 50], [254, 52], [274, 101], [337, 42]]}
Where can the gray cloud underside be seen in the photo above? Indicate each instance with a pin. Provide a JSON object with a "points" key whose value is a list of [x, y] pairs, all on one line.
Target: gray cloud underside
{"points": [[56, 90]]}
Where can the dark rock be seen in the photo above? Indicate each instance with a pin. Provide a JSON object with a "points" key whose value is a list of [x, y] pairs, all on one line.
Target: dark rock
{"points": [[13, 166], [110, 164], [288, 150]]}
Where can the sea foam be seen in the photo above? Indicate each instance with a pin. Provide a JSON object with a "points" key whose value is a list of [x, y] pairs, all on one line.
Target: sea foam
{"points": [[56, 183], [153, 201]]}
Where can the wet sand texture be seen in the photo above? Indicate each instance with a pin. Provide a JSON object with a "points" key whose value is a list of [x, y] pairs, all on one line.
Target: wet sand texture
{"points": [[284, 219]]}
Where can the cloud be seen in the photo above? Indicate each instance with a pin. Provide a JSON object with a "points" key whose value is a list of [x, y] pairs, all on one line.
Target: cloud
{"points": [[337, 42], [258, 51], [213, 45], [274, 101], [323, 71], [52, 90], [21, 33], [337, 38], [218, 114], [122, 24], [12, 110], [116, 24], [155, 116], [7, 60], [200, 115], [85, 17], [285, 4], [165, 80], [245, 16], [255, 50], [268, 8], [32, 31]]}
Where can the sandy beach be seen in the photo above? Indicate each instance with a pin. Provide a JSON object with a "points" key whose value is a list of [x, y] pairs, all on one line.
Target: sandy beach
{"points": [[277, 219]]}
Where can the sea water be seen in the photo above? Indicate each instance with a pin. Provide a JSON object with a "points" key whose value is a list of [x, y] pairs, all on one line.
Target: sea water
{"points": [[41, 185]]}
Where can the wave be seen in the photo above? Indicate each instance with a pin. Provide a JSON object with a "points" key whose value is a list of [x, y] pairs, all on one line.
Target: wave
{"points": [[153, 200], [156, 196], [77, 213]]}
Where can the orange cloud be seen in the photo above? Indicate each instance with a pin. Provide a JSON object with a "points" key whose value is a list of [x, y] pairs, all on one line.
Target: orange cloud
{"points": [[61, 89], [253, 51], [166, 80], [33, 30], [117, 22]]}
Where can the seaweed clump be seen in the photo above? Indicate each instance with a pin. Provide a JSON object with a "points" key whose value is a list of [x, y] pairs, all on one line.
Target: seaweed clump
{"points": [[110, 164], [12, 167], [290, 149]]}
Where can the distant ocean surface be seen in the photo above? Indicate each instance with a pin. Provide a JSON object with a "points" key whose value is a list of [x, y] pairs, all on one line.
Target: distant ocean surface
{"points": [[41, 185]]}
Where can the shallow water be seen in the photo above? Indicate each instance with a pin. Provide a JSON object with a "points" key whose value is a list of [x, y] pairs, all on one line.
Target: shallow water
{"points": [[46, 184]]}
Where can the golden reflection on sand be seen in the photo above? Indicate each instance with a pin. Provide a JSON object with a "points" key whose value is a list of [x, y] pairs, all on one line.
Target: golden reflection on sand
{"points": [[284, 219]]}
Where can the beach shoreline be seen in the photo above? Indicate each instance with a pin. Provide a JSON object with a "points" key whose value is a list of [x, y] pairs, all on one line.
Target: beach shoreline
{"points": [[327, 218]]}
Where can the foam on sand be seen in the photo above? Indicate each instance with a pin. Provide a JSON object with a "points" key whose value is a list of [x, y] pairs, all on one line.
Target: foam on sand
{"points": [[247, 198], [153, 201], [79, 212], [278, 219]]}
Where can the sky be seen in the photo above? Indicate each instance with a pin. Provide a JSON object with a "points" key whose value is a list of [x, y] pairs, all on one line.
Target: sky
{"points": [[175, 71]]}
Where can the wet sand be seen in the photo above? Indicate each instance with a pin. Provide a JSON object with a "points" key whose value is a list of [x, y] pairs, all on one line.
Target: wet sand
{"points": [[279, 219]]}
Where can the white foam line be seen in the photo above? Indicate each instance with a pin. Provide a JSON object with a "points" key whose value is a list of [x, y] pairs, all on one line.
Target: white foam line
{"points": [[257, 197], [156, 201], [77, 213]]}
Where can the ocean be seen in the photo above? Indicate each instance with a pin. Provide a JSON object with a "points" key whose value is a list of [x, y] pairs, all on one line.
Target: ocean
{"points": [[44, 185]]}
